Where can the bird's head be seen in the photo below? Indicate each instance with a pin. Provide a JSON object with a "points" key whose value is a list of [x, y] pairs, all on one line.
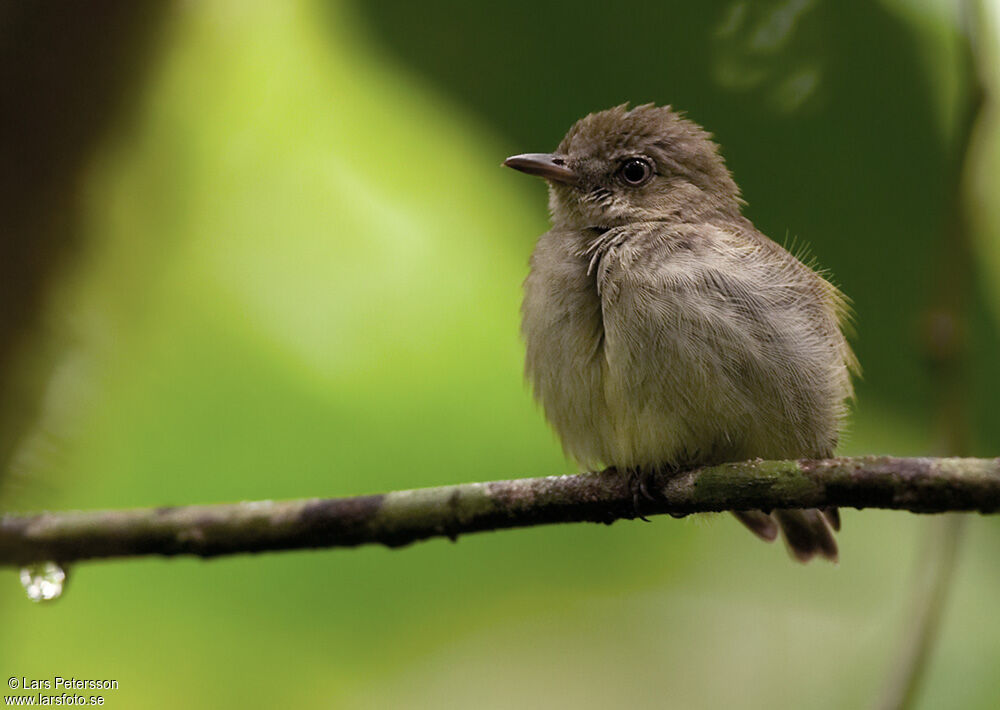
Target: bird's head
{"points": [[626, 165]]}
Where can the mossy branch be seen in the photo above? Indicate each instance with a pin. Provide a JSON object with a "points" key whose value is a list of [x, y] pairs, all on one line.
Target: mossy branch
{"points": [[920, 485]]}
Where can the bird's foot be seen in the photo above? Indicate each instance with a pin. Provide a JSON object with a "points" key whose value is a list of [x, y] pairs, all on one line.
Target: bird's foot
{"points": [[638, 483]]}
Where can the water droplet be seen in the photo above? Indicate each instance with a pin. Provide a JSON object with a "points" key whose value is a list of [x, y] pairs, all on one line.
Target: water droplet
{"points": [[43, 581]]}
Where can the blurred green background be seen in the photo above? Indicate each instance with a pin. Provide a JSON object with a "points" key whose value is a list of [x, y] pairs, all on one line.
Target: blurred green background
{"points": [[265, 250]]}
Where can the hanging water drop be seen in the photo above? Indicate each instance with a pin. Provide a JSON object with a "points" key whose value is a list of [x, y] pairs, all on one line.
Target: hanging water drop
{"points": [[43, 581]]}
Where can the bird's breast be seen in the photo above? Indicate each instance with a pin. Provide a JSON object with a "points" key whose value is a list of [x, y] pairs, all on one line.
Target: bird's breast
{"points": [[563, 327]]}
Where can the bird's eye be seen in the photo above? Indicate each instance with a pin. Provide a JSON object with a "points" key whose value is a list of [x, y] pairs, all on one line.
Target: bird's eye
{"points": [[635, 171]]}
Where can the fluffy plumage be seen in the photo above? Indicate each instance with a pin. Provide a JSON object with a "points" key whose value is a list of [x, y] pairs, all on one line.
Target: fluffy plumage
{"points": [[663, 330]]}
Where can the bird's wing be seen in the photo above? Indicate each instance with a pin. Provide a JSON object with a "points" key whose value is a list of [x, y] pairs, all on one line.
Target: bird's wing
{"points": [[721, 346], [726, 331]]}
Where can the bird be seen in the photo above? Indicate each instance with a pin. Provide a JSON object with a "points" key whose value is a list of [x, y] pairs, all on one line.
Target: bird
{"points": [[664, 332]]}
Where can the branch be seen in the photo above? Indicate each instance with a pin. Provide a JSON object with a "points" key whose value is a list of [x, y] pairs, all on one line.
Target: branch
{"points": [[920, 485]]}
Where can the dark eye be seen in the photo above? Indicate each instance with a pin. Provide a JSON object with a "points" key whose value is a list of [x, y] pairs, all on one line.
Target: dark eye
{"points": [[635, 171]]}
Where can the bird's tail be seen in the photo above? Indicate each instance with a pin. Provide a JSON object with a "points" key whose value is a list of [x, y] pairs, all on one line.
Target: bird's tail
{"points": [[807, 533]]}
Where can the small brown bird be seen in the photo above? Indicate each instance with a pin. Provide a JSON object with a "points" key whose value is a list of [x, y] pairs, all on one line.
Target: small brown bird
{"points": [[663, 331]]}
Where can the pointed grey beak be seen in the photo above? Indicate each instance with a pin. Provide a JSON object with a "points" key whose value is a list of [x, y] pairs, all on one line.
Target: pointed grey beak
{"points": [[547, 165]]}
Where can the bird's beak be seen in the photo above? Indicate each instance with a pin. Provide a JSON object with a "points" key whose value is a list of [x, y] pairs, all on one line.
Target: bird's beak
{"points": [[547, 165]]}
